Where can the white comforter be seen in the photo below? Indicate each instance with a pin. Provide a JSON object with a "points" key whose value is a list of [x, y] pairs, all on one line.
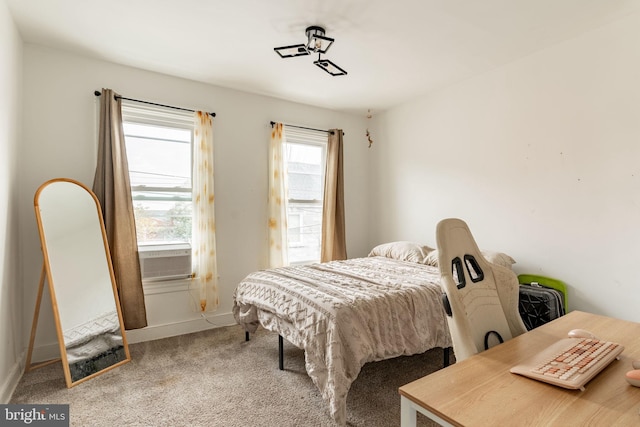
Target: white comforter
{"points": [[345, 314], [93, 337]]}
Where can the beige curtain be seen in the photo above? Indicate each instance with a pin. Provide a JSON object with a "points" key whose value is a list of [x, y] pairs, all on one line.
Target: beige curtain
{"points": [[205, 267], [111, 186], [277, 201], [333, 233]]}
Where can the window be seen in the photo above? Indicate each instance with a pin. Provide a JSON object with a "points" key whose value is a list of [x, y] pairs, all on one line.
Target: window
{"points": [[305, 156], [159, 142]]}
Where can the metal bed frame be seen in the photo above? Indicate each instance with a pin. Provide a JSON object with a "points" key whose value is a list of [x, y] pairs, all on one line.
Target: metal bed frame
{"points": [[445, 359]]}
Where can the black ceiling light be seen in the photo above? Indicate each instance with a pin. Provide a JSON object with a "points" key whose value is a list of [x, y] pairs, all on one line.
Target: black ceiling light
{"points": [[329, 67], [318, 43], [316, 40]]}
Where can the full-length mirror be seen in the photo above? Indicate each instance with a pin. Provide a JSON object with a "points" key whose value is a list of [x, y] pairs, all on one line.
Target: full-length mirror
{"points": [[81, 281]]}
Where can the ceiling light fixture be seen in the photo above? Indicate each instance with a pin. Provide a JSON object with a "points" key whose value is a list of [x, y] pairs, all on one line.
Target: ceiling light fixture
{"points": [[316, 40], [318, 43], [329, 67]]}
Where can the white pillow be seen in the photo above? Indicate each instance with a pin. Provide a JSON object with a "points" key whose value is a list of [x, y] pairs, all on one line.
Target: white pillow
{"points": [[432, 258], [498, 258], [403, 251]]}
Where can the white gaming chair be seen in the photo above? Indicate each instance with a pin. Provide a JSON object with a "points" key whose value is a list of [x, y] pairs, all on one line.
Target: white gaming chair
{"points": [[480, 298]]}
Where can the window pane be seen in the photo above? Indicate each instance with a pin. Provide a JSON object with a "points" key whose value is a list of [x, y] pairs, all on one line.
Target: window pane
{"points": [[162, 222], [159, 160], [155, 160], [304, 222], [305, 170]]}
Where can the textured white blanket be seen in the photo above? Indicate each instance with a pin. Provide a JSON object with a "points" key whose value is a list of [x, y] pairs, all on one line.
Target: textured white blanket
{"points": [[93, 337], [345, 314]]}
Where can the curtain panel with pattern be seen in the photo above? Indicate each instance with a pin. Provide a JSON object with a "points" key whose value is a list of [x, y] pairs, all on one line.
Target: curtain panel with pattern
{"points": [[205, 268], [277, 201]]}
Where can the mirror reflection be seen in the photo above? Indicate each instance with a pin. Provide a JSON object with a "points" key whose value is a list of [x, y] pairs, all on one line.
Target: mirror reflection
{"points": [[81, 281]]}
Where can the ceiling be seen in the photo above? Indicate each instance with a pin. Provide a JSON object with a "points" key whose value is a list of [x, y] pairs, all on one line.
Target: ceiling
{"points": [[393, 51]]}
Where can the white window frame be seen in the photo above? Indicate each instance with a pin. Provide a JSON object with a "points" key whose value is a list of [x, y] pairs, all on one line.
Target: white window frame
{"points": [[307, 137], [144, 114]]}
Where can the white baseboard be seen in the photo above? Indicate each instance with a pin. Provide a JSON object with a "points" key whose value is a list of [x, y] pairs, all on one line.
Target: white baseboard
{"points": [[10, 383], [155, 332]]}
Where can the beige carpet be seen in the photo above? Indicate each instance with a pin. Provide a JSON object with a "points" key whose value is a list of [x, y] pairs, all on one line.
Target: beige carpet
{"points": [[215, 378]]}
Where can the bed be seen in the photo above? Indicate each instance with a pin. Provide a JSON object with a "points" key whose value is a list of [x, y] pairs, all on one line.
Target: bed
{"points": [[344, 314]]}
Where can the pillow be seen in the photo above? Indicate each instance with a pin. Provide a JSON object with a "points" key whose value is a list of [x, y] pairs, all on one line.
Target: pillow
{"points": [[403, 251], [432, 258], [498, 258]]}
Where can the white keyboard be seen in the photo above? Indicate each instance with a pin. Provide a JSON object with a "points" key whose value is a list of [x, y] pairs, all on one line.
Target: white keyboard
{"points": [[570, 362]]}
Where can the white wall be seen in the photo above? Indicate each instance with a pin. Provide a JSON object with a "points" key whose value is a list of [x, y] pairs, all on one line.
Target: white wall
{"points": [[11, 323], [60, 141], [539, 157]]}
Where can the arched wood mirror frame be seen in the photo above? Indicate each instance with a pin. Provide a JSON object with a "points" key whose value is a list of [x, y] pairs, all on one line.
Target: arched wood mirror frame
{"points": [[77, 266]]}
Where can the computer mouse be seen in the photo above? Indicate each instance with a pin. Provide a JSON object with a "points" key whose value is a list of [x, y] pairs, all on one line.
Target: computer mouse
{"points": [[636, 364], [633, 377], [581, 333]]}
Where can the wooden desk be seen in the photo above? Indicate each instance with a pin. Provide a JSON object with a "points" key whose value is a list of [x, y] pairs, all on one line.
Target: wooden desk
{"points": [[480, 391]]}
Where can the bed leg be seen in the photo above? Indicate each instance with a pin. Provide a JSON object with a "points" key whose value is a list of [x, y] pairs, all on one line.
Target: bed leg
{"points": [[246, 335], [447, 352], [280, 353]]}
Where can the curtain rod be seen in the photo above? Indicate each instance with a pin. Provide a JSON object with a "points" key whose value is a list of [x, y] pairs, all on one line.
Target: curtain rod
{"points": [[302, 127], [98, 93]]}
